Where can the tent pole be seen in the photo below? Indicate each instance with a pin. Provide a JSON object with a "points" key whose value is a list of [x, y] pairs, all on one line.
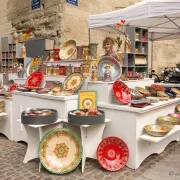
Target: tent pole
{"points": [[151, 55]]}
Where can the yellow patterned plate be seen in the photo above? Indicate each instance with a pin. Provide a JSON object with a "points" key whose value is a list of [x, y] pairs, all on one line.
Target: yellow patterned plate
{"points": [[177, 108], [60, 151], [88, 103], [68, 49], [177, 91], [74, 81]]}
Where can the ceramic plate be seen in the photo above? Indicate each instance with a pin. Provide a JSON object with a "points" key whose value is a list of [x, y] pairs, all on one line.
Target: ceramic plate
{"points": [[33, 88], [115, 67], [121, 92], [74, 81], [177, 91], [162, 94], [143, 91], [140, 101], [177, 109], [68, 49], [136, 94], [34, 79], [158, 87], [31, 69], [13, 87], [142, 105], [112, 153], [170, 93], [88, 103], [60, 151]]}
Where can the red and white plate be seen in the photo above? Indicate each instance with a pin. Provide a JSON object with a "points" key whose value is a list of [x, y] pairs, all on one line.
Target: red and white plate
{"points": [[13, 87], [122, 92], [112, 153], [34, 79]]}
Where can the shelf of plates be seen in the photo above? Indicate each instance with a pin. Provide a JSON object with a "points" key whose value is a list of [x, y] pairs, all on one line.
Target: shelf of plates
{"points": [[136, 61], [10, 50]]}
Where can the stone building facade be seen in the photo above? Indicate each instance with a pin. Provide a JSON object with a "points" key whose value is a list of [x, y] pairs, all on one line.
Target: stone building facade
{"points": [[56, 17]]}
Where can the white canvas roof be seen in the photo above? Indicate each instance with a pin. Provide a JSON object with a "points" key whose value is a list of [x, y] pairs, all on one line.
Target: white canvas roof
{"points": [[160, 17]]}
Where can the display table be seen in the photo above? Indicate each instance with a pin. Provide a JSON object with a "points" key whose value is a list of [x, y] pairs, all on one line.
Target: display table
{"points": [[6, 127], [91, 136], [34, 135], [128, 123], [23, 100]]}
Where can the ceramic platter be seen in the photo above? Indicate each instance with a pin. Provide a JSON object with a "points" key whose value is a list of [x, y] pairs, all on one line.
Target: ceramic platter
{"points": [[158, 87], [115, 67], [143, 91], [112, 153], [34, 79], [177, 91], [13, 87], [31, 69], [162, 94], [68, 49], [177, 109], [121, 92], [74, 81], [60, 151]]}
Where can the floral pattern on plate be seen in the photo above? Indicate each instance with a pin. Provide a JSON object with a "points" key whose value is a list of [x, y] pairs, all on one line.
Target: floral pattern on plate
{"points": [[68, 49], [143, 91], [112, 153], [13, 87], [60, 151], [74, 81], [87, 103], [34, 79]]}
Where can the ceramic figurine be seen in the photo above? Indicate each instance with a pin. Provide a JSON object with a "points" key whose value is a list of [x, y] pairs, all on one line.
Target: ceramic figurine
{"points": [[20, 71], [94, 74], [15, 37], [107, 73], [23, 51], [127, 44]]}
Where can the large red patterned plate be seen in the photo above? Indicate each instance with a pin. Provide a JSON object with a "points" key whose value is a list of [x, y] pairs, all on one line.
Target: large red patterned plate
{"points": [[112, 153], [13, 87], [122, 92], [34, 79]]}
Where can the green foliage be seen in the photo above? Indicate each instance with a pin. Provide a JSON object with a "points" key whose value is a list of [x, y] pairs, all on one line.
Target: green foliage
{"points": [[118, 41]]}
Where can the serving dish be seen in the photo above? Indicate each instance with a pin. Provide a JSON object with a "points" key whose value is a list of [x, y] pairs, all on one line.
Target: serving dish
{"points": [[169, 121], [39, 116], [34, 79], [114, 65], [68, 49], [142, 105], [177, 108], [162, 94], [177, 91], [13, 87], [136, 94], [142, 101], [158, 87], [170, 93], [74, 81], [60, 151], [112, 153], [153, 99], [176, 115], [143, 91], [33, 88], [121, 92], [157, 130], [86, 117]]}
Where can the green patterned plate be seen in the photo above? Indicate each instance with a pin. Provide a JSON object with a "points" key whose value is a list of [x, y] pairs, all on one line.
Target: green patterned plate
{"points": [[60, 151]]}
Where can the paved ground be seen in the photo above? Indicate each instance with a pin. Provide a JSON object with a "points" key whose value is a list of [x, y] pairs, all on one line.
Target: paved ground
{"points": [[12, 168]]}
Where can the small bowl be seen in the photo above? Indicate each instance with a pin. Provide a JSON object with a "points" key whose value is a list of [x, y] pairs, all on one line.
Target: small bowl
{"points": [[157, 130], [169, 121]]}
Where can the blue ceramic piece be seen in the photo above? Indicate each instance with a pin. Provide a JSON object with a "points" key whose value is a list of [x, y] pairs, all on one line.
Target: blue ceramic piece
{"points": [[115, 67], [170, 93]]}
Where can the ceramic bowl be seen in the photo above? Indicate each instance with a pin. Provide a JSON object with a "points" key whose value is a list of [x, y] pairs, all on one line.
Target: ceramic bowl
{"points": [[177, 109], [176, 115], [169, 121], [157, 130]]}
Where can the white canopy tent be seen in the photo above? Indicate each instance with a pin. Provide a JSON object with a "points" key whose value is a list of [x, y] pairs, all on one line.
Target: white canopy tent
{"points": [[160, 17]]}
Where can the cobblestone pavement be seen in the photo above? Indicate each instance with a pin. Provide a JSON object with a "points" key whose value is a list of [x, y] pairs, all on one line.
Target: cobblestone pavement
{"points": [[12, 167]]}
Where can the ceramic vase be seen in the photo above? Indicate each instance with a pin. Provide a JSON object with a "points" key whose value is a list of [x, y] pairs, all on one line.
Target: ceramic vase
{"points": [[93, 50], [120, 56], [80, 52]]}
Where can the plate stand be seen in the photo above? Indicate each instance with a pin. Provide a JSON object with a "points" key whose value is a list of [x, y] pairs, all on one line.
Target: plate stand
{"points": [[91, 136]]}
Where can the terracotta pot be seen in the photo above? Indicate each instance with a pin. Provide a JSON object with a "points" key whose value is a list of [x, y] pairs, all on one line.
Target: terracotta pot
{"points": [[80, 52]]}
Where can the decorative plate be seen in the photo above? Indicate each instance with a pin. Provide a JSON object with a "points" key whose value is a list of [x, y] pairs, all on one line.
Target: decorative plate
{"points": [[33, 66], [13, 87], [74, 81], [34, 79], [143, 91], [158, 87], [177, 91], [136, 94], [60, 151], [162, 94], [112, 153], [142, 101], [177, 109], [170, 93], [115, 67], [87, 103], [68, 49], [121, 92], [142, 105]]}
